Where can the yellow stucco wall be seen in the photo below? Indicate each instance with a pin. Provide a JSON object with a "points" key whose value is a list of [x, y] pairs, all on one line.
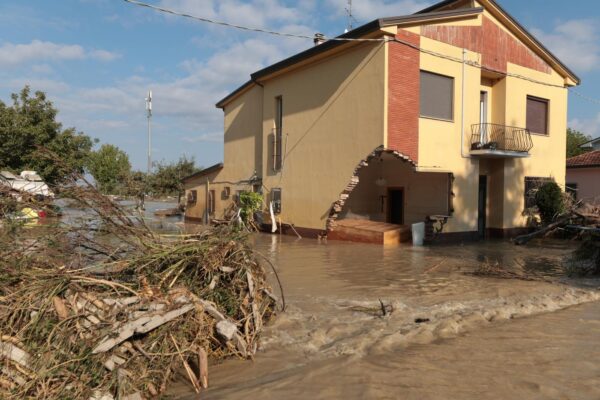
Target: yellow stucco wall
{"points": [[333, 118], [548, 155], [196, 210], [507, 106], [335, 113], [242, 155], [440, 141]]}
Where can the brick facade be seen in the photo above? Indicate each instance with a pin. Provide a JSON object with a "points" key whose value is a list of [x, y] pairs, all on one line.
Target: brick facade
{"points": [[496, 46], [403, 97]]}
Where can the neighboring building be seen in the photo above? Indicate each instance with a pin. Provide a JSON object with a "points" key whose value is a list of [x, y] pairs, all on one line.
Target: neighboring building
{"points": [[398, 130], [583, 176], [593, 144]]}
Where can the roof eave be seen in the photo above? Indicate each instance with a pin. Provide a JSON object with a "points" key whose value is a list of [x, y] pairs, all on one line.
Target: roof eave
{"points": [[369, 28], [583, 166], [204, 172], [241, 89]]}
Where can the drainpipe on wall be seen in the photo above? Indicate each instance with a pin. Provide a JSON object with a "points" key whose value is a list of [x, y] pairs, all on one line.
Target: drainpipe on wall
{"points": [[206, 213], [462, 107]]}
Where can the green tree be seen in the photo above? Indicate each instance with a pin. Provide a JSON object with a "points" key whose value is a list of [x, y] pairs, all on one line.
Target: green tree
{"points": [[110, 168], [550, 202], [574, 140], [168, 177], [29, 124]]}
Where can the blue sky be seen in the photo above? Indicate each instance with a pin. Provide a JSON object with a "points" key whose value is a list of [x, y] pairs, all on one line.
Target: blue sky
{"points": [[96, 59]]}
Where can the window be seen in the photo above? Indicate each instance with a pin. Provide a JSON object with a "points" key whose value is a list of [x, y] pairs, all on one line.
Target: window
{"points": [[532, 184], [226, 192], [537, 115], [437, 96], [276, 199], [211, 202], [278, 134]]}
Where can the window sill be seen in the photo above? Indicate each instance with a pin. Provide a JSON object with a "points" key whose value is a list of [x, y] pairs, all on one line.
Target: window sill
{"points": [[540, 134], [437, 119]]}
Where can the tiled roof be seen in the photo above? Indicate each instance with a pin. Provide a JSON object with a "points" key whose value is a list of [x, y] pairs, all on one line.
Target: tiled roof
{"points": [[590, 159]]}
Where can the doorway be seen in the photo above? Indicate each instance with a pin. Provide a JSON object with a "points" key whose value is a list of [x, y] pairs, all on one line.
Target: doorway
{"points": [[483, 119], [396, 206], [482, 214]]}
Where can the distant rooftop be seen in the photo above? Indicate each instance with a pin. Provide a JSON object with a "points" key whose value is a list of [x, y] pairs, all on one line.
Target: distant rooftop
{"points": [[585, 160]]}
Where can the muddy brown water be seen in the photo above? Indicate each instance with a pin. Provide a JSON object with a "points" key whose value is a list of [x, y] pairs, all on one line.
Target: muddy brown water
{"points": [[477, 338]]}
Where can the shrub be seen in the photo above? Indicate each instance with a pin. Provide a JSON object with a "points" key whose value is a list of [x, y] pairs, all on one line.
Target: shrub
{"points": [[249, 202], [549, 201]]}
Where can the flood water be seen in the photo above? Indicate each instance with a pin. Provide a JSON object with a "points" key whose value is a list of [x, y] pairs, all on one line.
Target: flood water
{"points": [[450, 334]]}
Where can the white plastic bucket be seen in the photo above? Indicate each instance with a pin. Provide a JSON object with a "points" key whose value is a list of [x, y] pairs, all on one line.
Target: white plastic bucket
{"points": [[418, 233]]}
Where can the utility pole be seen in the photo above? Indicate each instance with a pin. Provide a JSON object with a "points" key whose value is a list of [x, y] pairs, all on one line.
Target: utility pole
{"points": [[350, 16], [149, 116]]}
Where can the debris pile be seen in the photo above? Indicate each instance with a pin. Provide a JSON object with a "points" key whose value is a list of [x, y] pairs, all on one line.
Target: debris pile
{"points": [[582, 221], [104, 308]]}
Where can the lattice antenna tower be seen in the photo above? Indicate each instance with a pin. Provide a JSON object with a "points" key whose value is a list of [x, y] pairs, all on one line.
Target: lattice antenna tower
{"points": [[349, 15]]}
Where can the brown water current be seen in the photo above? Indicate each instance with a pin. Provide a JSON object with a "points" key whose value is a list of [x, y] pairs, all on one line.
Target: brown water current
{"points": [[450, 335]]}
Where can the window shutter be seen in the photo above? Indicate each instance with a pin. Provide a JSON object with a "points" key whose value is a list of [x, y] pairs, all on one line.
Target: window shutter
{"points": [[537, 115], [437, 96]]}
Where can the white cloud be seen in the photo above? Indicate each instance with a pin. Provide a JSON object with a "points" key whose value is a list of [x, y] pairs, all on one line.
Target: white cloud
{"points": [[575, 42], [256, 13], [207, 137], [366, 10], [185, 104], [45, 85], [589, 126], [15, 54], [42, 69], [103, 55]]}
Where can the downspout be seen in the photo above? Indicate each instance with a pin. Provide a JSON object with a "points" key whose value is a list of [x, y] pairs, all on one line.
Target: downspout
{"points": [[462, 107], [206, 200]]}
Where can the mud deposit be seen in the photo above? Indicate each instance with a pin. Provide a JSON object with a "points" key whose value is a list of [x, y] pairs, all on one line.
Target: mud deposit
{"points": [[450, 335]]}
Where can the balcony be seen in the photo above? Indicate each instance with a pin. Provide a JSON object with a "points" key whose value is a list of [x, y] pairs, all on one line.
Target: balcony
{"points": [[500, 141]]}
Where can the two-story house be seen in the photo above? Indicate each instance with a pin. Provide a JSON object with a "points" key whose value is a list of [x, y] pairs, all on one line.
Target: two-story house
{"points": [[452, 114]]}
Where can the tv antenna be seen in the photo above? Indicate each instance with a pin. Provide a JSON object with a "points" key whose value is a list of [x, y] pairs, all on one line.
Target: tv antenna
{"points": [[149, 116], [350, 16]]}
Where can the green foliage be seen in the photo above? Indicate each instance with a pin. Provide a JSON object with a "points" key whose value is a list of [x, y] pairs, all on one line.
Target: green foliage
{"points": [[110, 168], [574, 140], [249, 203], [550, 202], [167, 180], [138, 184], [29, 123]]}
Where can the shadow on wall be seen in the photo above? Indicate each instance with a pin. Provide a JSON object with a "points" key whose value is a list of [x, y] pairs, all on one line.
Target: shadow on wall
{"points": [[376, 158], [430, 193], [504, 201], [390, 184]]}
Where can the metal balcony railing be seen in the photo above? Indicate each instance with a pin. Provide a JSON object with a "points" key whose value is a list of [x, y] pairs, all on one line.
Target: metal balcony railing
{"points": [[496, 137]]}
